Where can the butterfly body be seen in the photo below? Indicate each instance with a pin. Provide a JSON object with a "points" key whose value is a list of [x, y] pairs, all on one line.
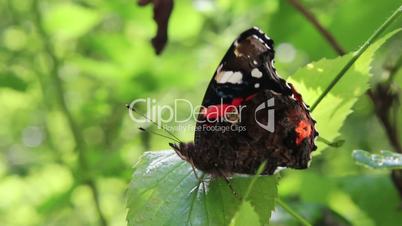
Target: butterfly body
{"points": [[230, 134]]}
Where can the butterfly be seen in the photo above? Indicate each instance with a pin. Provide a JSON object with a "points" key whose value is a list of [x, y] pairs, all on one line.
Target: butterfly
{"points": [[250, 115]]}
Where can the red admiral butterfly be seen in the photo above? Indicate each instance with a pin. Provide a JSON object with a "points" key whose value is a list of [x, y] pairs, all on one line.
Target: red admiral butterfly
{"points": [[250, 116], [267, 118]]}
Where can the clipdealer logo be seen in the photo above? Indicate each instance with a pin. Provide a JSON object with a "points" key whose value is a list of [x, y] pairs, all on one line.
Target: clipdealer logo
{"points": [[163, 114], [270, 125]]}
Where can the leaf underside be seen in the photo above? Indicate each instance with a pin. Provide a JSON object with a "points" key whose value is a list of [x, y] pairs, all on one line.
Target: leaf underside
{"points": [[164, 191], [384, 160]]}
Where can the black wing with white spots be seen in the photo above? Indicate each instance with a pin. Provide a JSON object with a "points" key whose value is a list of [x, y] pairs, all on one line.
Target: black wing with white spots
{"points": [[246, 68]]}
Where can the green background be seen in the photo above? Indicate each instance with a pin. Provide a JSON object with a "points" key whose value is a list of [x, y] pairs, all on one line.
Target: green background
{"points": [[69, 67]]}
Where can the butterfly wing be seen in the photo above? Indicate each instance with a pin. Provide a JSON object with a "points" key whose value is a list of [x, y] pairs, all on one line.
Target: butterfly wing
{"points": [[246, 68], [247, 77]]}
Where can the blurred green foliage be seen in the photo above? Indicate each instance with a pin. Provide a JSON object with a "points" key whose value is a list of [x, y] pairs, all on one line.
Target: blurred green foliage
{"points": [[70, 66]]}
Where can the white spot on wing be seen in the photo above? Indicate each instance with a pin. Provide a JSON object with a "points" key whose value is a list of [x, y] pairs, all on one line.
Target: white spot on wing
{"points": [[219, 69], [272, 64], [237, 53], [225, 77], [257, 85], [229, 77], [236, 43], [257, 28], [236, 78], [262, 41], [256, 73], [278, 169]]}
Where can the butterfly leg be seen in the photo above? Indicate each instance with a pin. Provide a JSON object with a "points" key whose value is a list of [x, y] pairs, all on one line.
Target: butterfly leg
{"points": [[195, 173], [176, 149], [230, 185]]}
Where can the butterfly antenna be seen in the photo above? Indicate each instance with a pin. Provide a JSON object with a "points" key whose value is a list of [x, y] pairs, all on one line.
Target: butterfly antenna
{"points": [[153, 122], [158, 134]]}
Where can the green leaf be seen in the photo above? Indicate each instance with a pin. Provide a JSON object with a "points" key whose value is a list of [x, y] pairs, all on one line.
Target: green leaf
{"points": [[164, 191], [314, 78], [12, 81], [384, 160], [245, 216], [70, 20]]}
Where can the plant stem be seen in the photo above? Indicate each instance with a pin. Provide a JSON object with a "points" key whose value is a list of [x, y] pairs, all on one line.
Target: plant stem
{"points": [[386, 100], [76, 131], [260, 169], [292, 212], [357, 54], [321, 29], [394, 70], [379, 95]]}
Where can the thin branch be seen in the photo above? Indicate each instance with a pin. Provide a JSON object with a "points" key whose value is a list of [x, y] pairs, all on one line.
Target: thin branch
{"points": [[379, 95], [76, 131], [293, 213], [260, 169], [356, 56], [335, 45], [313, 20], [394, 69], [383, 100], [388, 125]]}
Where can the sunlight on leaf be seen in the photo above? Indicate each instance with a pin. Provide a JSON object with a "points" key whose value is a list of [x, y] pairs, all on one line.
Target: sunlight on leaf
{"points": [[164, 191], [384, 160], [312, 79]]}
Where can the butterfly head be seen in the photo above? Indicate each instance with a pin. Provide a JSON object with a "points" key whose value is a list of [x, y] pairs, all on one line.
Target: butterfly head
{"points": [[183, 150]]}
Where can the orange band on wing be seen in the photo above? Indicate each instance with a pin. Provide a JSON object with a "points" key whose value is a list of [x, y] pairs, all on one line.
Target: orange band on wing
{"points": [[303, 131]]}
